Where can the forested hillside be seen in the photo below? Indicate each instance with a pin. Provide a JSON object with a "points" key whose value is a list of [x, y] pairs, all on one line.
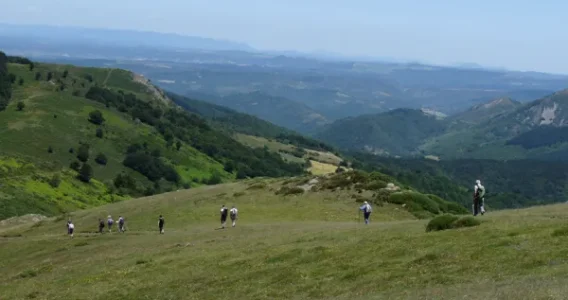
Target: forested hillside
{"points": [[75, 137], [509, 184], [398, 132]]}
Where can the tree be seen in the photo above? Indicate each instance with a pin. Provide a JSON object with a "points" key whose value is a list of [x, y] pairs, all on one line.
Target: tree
{"points": [[21, 105], [55, 181], [83, 153], [85, 173], [49, 149], [21, 81], [75, 166], [65, 73], [37, 76], [178, 145], [32, 66], [96, 117], [99, 133], [49, 76], [12, 78], [71, 150], [101, 159]]}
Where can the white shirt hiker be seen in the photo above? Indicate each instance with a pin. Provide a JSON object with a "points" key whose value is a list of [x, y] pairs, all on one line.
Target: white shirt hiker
{"points": [[234, 214]]}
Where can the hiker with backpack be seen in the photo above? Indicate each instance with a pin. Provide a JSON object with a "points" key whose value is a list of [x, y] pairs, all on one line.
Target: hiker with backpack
{"points": [[234, 214], [70, 228], [161, 222], [110, 222], [367, 209], [224, 211], [478, 198], [120, 224], [101, 225]]}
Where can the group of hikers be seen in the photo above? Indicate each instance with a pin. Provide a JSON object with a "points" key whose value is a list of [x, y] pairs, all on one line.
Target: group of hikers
{"points": [[477, 207], [233, 213]]}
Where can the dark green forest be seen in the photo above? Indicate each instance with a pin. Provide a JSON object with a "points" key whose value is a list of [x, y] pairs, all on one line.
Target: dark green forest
{"points": [[5, 82], [541, 136], [509, 184], [177, 124]]}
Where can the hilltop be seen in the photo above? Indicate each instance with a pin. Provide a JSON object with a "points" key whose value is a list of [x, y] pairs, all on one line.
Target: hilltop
{"points": [[398, 132], [75, 137], [535, 130], [307, 245], [483, 112]]}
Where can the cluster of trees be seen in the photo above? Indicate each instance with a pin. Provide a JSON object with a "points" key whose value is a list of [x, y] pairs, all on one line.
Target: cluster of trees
{"points": [[5, 82], [177, 125], [149, 164], [509, 184]]}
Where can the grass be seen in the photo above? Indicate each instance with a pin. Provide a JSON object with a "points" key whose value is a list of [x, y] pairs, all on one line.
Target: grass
{"points": [[322, 162], [59, 120], [309, 246]]}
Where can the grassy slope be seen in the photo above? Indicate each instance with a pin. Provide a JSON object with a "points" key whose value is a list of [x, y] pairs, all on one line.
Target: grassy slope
{"points": [[293, 247], [26, 136], [322, 162]]}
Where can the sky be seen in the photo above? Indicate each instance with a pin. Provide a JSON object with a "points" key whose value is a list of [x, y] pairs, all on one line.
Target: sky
{"points": [[514, 34]]}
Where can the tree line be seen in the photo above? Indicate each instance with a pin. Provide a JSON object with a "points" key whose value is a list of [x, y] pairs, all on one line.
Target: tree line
{"points": [[178, 125]]}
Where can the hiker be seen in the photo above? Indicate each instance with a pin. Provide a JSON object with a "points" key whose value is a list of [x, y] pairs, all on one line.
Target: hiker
{"points": [[161, 224], [120, 224], [234, 213], [70, 228], [478, 198], [366, 208], [224, 211], [101, 225], [110, 221]]}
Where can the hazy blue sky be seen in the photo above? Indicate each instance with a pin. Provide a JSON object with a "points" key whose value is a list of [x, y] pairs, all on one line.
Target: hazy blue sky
{"points": [[517, 34]]}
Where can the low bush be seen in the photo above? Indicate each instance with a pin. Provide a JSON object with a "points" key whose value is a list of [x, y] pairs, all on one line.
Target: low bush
{"points": [[449, 221], [560, 232], [285, 190], [442, 222]]}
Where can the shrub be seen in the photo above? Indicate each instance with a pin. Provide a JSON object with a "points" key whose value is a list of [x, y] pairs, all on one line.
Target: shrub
{"points": [[96, 117], [75, 166], [83, 153], [49, 76], [257, 186], [290, 191], [467, 221], [71, 150], [449, 221], [49, 149], [21, 105], [55, 181], [99, 133], [415, 201], [85, 173], [442, 222], [21, 81], [214, 179], [101, 159], [65, 73], [560, 232], [37, 76]]}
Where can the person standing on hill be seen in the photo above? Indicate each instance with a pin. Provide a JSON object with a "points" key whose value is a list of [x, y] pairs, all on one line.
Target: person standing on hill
{"points": [[161, 224], [70, 228], [120, 224], [110, 222], [367, 209], [101, 225], [224, 212], [234, 214], [478, 198]]}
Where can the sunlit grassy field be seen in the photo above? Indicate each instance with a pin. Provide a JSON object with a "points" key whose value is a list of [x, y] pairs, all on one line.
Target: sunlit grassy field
{"points": [[307, 246]]}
